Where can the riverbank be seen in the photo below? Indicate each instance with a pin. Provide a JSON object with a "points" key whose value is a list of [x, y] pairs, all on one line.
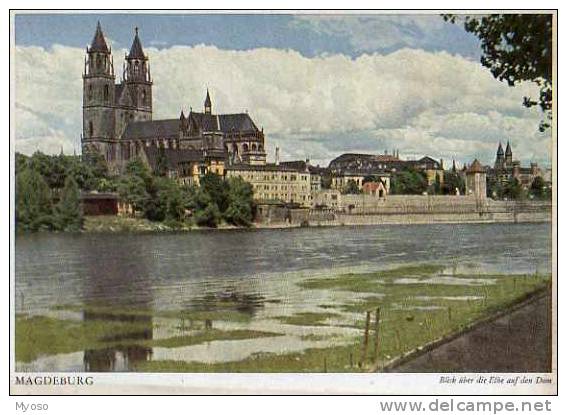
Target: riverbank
{"points": [[126, 224], [516, 339]]}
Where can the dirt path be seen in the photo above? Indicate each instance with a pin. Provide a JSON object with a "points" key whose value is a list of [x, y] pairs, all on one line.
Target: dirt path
{"points": [[516, 342]]}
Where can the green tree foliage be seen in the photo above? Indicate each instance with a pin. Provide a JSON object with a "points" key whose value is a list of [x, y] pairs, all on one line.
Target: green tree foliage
{"points": [[161, 162], [217, 189], [133, 185], [513, 190], [33, 201], [351, 188], [517, 48], [240, 202], [67, 213], [539, 189], [205, 211], [451, 182], [408, 182]]}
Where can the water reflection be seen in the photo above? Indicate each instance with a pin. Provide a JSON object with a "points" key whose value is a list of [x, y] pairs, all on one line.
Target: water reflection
{"points": [[118, 358], [118, 283]]}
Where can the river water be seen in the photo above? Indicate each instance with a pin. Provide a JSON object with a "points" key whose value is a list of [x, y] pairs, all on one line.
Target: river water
{"points": [[172, 271]]}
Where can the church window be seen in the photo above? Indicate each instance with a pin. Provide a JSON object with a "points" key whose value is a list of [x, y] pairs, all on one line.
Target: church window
{"points": [[90, 128], [90, 94], [144, 98], [106, 93]]}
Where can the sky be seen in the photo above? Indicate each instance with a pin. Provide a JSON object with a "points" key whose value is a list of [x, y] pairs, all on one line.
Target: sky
{"points": [[319, 85]]}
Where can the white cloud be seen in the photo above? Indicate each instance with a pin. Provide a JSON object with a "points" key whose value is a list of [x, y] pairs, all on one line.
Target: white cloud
{"points": [[417, 101], [375, 32]]}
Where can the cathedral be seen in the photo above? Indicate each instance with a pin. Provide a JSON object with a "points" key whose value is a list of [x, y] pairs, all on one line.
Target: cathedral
{"points": [[506, 168], [118, 123]]}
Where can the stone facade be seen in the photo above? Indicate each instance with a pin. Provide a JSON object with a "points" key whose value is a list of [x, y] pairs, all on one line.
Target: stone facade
{"points": [[274, 182], [117, 118]]}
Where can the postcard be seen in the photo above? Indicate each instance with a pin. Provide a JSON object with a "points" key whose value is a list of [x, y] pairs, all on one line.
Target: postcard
{"points": [[306, 202]]}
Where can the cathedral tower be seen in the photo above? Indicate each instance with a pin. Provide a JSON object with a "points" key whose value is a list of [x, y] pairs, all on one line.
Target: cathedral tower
{"points": [[499, 163], [98, 98], [208, 105], [134, 93], [508, 155]]}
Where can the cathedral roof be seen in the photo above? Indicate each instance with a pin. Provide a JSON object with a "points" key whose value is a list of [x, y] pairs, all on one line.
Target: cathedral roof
{"points": [[140, 130], [136, 51], [99, 43], [225, 123]]}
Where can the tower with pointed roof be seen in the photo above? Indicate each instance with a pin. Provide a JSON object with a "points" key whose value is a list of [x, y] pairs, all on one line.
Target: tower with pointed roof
{"points": [[508, 155], [134, 93], [208, 104], [499, 163], [98, 97], [476, 181]]}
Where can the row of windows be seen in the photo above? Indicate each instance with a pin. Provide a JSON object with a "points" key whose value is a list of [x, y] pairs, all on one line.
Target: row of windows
{"points": [[267, 177], [275, 187]]}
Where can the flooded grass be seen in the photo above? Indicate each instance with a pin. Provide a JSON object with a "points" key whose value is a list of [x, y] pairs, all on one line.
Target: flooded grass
{"points": [[307, 318], [209, 336], [431, 306], [40, 335]]}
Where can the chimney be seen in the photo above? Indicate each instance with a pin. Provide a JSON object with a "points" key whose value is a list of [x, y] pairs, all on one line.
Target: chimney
{"points": [[277, 156]]}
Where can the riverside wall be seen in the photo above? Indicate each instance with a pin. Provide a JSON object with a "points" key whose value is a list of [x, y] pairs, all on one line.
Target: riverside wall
{"points": [[401, 209]]}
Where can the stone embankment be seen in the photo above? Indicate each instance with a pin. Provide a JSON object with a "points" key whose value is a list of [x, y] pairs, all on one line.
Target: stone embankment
{"points": [[369, 210]]}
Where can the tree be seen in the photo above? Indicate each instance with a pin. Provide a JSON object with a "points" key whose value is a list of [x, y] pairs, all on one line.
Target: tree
{"points": [[97, 164], [205, 210], [351, 188], [517, 48], [217, 189], [161, 162], [132, 189], [451, 182], [33, 201], [538, 189], [68, 215], [513, 190], [408, 182], [240, 202]]}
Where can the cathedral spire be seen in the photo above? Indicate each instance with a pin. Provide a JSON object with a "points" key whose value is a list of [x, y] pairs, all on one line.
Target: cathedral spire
{"points": [[136, 51], [508, 149], [99, 43], [208, 105], [500, 151]]}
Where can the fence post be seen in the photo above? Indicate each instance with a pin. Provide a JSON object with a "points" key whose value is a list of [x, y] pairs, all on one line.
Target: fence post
{"points": [[365, 344], [376, 334]]}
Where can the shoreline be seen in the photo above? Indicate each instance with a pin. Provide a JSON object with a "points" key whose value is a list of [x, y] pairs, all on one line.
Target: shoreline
{"points": [[412, 356], [121, 224]]}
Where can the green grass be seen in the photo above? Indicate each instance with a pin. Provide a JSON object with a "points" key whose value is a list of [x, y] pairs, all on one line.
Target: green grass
{"points": [[206, 336], [307, 318], [39, 335], [228, 312], [331, 359], [368, 282]]}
